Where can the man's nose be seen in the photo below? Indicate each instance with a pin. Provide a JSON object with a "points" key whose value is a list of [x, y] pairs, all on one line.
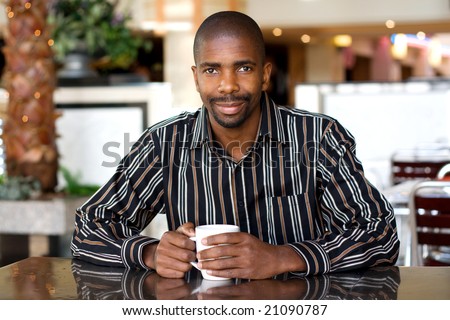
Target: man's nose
{"points": [[228, 83]]}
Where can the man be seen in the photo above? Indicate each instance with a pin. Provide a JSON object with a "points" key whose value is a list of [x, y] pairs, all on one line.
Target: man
{"points": [[288, 178]]}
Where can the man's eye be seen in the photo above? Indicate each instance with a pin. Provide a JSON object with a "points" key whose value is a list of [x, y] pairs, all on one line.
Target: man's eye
{"points": [[245, 69], [210, 71]]}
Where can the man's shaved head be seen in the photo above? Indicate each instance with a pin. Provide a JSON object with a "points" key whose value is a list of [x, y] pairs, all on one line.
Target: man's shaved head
{"points": [[229, 24]]}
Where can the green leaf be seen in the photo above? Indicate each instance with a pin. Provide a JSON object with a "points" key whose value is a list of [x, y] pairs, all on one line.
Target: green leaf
{"points": [[74, 187], [98, 26]]}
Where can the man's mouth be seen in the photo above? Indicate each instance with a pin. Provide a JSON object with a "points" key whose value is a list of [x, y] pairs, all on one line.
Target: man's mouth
{"points": [[229, 105], [229, 108]]}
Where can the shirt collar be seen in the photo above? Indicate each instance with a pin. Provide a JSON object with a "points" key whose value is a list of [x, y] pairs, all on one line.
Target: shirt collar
{"points": [[271, 121], [201, 132], [270, 126]]}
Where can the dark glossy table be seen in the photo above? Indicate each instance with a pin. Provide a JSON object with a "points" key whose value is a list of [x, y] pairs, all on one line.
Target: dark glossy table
{"points": [[62, 278]]}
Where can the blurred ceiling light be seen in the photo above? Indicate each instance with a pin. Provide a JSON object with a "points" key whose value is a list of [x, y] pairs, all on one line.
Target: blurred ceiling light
{"points": [[390, 24], [421, 35], [277, 32], [305, 38], [399, 49], [342, 40], [435, 53]]}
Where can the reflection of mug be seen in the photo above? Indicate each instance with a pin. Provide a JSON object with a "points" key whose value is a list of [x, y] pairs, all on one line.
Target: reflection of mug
{"points": [[206, 231], [209, 284]]}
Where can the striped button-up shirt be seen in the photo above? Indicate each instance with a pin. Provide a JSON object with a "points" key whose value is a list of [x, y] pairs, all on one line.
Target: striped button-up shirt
{"points": [[300, 184]]}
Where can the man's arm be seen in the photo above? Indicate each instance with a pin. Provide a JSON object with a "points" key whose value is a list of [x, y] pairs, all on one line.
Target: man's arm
{"points": [[359, 221], [107, 226]]}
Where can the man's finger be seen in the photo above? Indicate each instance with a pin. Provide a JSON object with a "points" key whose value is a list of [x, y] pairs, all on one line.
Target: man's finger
{"points": [[188, 229]]}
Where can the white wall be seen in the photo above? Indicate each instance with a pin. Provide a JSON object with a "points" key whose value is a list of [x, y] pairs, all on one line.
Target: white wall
{"points": [[327, 12]]}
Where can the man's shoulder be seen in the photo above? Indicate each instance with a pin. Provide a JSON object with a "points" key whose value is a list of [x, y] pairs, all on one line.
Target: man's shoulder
{"points": [[307, 115], [181, 120], [316, 122]]}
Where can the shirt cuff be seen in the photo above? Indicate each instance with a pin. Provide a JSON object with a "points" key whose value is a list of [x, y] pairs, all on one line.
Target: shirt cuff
{"points": [[132, 251], [133, 284], [316, 258]]}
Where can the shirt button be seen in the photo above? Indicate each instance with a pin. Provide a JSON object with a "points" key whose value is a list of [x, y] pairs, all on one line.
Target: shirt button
{"points": [[240, 203]]}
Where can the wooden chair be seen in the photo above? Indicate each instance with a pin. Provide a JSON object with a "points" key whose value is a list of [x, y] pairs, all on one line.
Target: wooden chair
{"points": [[420, 169], [420, 163], [444, 172], [430, 223]]}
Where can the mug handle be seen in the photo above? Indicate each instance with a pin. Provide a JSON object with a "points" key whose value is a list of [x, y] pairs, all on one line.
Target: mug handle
{"points": [[194, 263]]}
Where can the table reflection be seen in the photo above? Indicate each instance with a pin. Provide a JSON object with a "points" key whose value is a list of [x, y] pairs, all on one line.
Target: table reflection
{"points": [[96, 282], [35, 281]]}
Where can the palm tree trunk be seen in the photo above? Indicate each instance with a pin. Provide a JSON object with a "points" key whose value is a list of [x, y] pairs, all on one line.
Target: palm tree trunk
{"points": [[29, 129]]}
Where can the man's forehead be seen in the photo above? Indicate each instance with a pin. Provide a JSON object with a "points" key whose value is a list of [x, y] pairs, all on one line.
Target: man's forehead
{"points": [[227, 48], [228, 41], [216, 35]]}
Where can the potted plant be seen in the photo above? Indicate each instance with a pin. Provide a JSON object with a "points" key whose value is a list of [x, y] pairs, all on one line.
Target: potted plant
{"points": [[94, 28]]}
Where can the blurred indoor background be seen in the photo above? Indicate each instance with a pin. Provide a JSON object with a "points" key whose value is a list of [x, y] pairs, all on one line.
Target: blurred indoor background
{"points": [[381, 67]]}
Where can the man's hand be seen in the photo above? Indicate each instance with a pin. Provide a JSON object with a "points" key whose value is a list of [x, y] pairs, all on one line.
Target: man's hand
{"points": [[166, 289], [247, 257], [171, 257], [268, 289]]}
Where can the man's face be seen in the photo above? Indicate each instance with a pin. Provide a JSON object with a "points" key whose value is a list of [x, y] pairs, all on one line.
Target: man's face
{"points": [[230, 75]]}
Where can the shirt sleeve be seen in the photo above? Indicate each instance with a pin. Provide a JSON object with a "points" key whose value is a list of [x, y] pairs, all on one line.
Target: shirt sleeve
{"points": [[360, 228], [108, 226]]}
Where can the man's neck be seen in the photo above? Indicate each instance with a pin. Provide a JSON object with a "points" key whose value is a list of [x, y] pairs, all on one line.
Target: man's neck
{"points": [[236, 141]]}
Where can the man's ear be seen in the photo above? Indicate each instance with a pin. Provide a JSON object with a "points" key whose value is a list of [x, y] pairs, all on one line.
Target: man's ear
{"points": [[194, 72], [267, 69]]}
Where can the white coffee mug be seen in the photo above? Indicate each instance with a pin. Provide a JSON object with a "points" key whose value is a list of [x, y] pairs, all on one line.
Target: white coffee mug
{"points": [[206, 231]]}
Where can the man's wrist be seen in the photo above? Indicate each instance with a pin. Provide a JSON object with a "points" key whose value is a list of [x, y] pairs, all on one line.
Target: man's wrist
{"points": [[289, 260], [149, 255]]}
